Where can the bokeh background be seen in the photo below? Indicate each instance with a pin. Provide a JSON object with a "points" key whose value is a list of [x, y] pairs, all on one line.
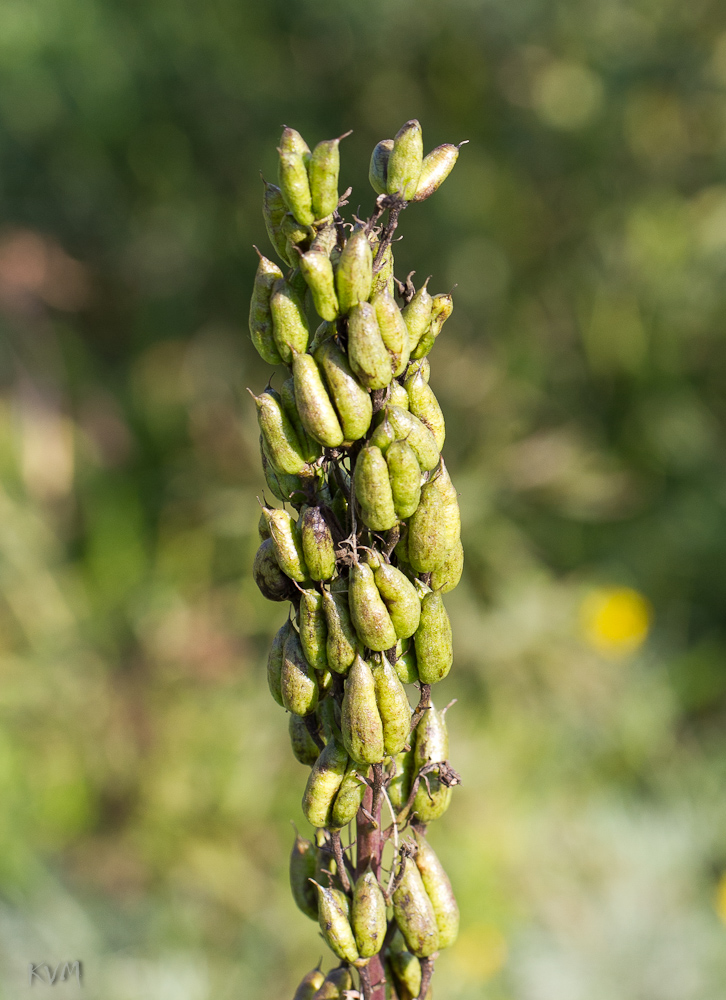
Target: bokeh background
{"points": [[146, 782]]}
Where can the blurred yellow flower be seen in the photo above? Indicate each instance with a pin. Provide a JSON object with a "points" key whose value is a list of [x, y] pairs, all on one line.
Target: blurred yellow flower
{"points": [[721, 898], [615, 620], [480, 952]]}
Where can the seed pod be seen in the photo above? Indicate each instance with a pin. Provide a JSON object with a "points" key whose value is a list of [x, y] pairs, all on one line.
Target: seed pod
{"points": [[289, 322], [268, 576], [373, 490], [293, 176], [393, 707], [298, 681], [354, 275], [368, 915], [325, 332], [286, 539], [334, 923], [408, 427], [422, 365], [317, 270], [417, 315], [401, 600], [309, 985], [404, 473], [323, 170], [431, 747], [280, 440], [435, 527], [424, 405], [399, 787], [383, 271], [360, 722], [323, 783], [348, 800], [368, 612], [262, 530], [352, 403], [378, 170], [448, 574], [407, 970], [436, 167], [413, 911], [337, 982], [310, 448], [326, 239], [313, 403], [398, 395], [260, 321], [438, 889], [405, 161], [284, 487], [328, 715], [318, 545], [302, 869], [368, 355], [304, 748], [297, 237], [392, 328], [313, 630], [406, 666], [339, 507], [442, 306], [273, 211], [342, 643], [274, 661], [434, 650]]}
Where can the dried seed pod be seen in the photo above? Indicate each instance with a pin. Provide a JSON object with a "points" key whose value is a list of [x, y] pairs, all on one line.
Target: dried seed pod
{"points": [[260, 321], [274, 661], [431, 747], [323, 170], [436, 167], [417, 315], [309, 985], [369, 357], [442, 306], [313, 403], [273, 583], [405, 161], [293, 176], [342, 643], [373, 490], [399, 788], [273, 212], [401, 600], [348, 800], [298, 681], [310, 448], [352, 403], [289, 322], [398, 395], [368, 611], [435, 527], [413, 911], [304, 748], [334, 923], [438, 889], [378, 170], [433, 641], [354, 274], [288, 546], [446, 576], [313, 630], [323, 783], [408, 427], [360, 721], [318, 545], [337, 983], [422, 365], [317, 270], [302, 869], [404, 473], [423, 404], [392, 328], [280, 440], [368, 915], [393, 707]]}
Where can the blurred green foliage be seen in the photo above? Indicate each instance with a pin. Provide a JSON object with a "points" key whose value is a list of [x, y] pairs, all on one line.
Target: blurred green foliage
{"points": [[145, 773]]}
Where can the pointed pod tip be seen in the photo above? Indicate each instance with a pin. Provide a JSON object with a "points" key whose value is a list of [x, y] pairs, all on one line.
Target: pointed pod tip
{"points": [[463, 143]]}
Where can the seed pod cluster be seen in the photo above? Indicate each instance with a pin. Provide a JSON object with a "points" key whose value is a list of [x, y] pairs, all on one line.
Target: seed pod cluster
{"points": [[364, 546]]}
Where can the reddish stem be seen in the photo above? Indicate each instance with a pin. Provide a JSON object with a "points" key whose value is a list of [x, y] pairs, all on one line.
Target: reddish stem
{"points": [[370, 848]]}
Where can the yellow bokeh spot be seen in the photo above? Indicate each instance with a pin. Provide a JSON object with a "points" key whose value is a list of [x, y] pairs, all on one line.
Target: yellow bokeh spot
{"points": [[615, 620], [721, 898], [480, 952]]}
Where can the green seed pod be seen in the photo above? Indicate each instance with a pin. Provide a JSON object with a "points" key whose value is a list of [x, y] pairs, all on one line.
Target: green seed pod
{"points": [[422, 365], [297, 237], [334, 923], [352, 403], [318, 546], [383, 271], [326, 239], [325, 682], [309, 985], [368, 355], [284, 487], [323, 170], [431, 747], [260, 321], [313, 403], [405, 161], [289, 322], [406, 666], [393, 707], [288, 547], [268, 576], [313, 630], [348, 800], [323, 783], [448, 574], [324, 332], [442, 307], [304, 748], [360, 722], [373, 490], [407, 970], [293, 176], [404, 473], [438, 889], [423, 404], [279, 438], [392, 328], [317, 270], [368, 915], [328, 714], [378, 170], [337, 983], [262, 529], [414, 913], [417, 315], [401, 600], [408, 427], [339, 506], [354, 275], [435, 527], [368, 612], [399, 787], [434, 649], [342, 643], [436, 167], [274, 661], [310, 448], [273, 212], [384, 435], [298, 681], [302, 869], [398, 396]]}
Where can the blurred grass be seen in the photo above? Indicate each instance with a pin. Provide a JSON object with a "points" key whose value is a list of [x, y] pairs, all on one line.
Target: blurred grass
{"points": [[146, 778]]}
